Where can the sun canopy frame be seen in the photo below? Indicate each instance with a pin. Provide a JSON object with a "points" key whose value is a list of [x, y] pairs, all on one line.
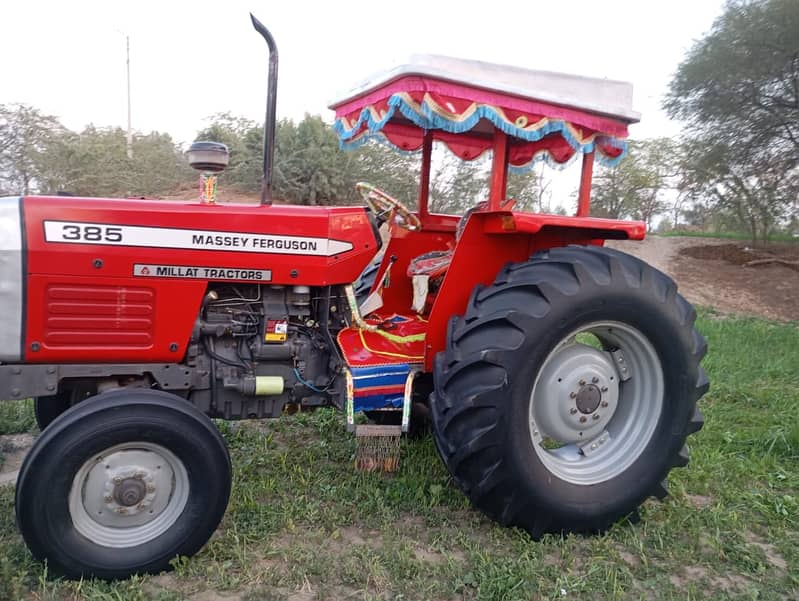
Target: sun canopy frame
{"points": [[523, 115], [548, 116]]}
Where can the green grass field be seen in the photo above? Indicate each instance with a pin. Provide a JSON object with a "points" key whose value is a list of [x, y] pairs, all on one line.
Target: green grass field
{"points": [[303, 525]]}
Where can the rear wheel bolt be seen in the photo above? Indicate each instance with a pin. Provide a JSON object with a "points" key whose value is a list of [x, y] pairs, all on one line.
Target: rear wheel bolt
{"points": [[604, 403], [573, 395], [604, 389], [582, 382], [594, 380], [572, 410], [595, 416], [582, 419]]}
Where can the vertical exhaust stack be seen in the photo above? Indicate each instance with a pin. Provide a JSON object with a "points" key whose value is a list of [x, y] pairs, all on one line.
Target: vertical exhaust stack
{"points": [[271, 103]]}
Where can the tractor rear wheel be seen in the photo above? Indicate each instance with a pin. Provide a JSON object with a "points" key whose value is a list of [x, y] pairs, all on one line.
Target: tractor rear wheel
{"points": [[567, 390], [121, 484]]}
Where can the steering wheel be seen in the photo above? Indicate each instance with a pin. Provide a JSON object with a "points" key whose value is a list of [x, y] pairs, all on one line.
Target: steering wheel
{"points": [[382, 204]]}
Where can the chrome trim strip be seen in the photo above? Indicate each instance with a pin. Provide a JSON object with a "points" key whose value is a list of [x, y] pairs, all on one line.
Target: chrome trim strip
{"points": [[12, 282]]}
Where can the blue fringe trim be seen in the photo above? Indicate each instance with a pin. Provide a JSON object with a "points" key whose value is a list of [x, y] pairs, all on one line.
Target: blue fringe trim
{"points": [[429, 119]]}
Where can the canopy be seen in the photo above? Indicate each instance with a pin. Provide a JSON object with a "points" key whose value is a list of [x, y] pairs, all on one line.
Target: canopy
{"points": [[547, 116]]}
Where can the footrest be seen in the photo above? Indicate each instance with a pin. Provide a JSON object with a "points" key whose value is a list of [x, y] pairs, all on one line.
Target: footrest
{"points": [[377, 448]]}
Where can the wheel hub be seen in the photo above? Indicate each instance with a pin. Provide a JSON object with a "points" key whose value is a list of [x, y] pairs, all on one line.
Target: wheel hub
{"points": [[588, 399], [593, 411], [576, 395], [130, 492]]}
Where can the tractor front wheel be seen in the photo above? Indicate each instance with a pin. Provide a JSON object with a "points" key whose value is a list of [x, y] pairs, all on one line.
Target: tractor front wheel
{"points": [[567, 390], [123, 483]]}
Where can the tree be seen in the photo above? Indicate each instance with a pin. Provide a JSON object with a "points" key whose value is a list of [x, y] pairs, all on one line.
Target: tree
{"points": [[95, 163], [739, 85], [27, 137], [637, 187], [309, 167], [738, 92], [458, 185], [530, 190], [755, 195]]}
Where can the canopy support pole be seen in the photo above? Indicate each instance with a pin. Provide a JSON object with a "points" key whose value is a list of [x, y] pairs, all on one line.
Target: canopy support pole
{"points": [[584, 199], [499, 171], [424, 178]]}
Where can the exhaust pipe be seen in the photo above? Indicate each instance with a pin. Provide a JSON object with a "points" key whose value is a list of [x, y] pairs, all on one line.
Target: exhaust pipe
{"points": [[271, 103]]}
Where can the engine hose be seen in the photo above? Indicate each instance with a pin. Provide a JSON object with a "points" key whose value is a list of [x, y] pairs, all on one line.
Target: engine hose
{"points": [[222, 359], [356, 314]]}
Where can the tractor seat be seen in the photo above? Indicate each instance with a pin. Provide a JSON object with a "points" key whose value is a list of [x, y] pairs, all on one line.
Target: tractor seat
{"points": [[427, 270], [432, 264]]}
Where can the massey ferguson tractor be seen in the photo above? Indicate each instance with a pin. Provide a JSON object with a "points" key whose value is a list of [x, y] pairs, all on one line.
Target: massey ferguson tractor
{"points": [[560, 377]]}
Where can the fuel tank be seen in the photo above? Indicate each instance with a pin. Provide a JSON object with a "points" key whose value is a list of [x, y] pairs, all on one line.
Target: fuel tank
{"points": [[99, 280]]}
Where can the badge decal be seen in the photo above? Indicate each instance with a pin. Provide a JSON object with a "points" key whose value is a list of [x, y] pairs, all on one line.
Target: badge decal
{"points": [[165, 237], [201, 273]]}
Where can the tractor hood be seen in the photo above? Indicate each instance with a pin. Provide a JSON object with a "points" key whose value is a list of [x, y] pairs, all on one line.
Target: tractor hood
{"points": [[78, 265]]}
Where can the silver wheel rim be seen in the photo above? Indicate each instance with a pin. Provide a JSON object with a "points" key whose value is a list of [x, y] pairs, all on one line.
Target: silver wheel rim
{"points": [[128, 495], [593, 411]]}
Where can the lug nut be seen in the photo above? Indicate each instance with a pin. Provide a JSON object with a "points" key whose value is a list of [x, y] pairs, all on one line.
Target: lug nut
{"points": [[594, 380], [604, 389], [582, 419], [604, 403], [117, 480], [582, 382], [151, 488], [595, 416], [108, 498], [572, 395], [572, 410], [122, 511]]}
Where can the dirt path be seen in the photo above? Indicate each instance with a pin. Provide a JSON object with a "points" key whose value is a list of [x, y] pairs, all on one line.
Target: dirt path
{"points": [[770, 291], [13, 447]]}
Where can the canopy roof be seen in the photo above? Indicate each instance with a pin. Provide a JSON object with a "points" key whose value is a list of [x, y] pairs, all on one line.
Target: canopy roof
{"points": [[547, 115]]}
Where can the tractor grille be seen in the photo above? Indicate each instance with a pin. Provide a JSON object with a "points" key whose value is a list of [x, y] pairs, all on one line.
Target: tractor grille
{"points": [[115, 316]]}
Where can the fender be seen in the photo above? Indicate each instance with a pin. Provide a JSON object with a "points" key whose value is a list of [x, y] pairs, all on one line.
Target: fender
{"points": [[491, 240]]}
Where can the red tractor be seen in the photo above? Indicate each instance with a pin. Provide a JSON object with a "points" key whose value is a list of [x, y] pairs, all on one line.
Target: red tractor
{"points": [[560, 377]]}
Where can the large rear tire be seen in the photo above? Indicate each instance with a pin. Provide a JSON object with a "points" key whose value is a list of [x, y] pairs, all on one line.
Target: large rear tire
{"points": [[567, 390], [122, 484]]}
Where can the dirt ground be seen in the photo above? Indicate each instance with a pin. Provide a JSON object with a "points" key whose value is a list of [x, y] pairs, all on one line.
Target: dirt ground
{"points": [[714, 273]]}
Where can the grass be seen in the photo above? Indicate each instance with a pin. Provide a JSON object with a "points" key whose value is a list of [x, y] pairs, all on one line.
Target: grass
{"points": [[303, 525], [729, 236]]}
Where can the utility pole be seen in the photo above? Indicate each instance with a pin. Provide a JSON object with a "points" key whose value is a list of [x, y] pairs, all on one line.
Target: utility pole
{"points": [[130, 131]]}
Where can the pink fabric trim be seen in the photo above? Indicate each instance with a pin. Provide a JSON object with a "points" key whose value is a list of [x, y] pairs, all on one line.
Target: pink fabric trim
{"points": [[505, 101]]}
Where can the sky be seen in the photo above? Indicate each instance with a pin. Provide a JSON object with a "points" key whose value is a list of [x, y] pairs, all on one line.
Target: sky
{"points": [[191, 60]]}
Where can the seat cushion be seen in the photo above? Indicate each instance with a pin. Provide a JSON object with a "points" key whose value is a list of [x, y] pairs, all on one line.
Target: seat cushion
{"points": [[431, 264]]}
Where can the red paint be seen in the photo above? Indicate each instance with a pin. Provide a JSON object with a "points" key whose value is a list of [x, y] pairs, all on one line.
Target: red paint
{"points": [[491, 240], [405, 245], [499, 171], [424, 177], [85, 305], [584, 198]]}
